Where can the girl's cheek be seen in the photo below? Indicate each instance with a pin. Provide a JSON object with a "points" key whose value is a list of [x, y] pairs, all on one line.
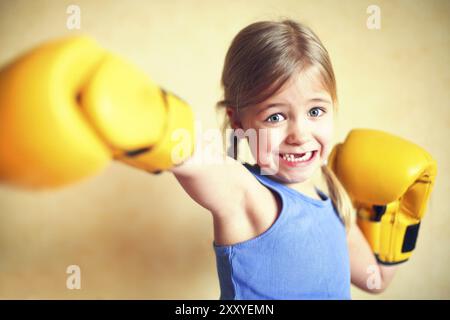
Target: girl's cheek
{"points": [[268, 145], [274, 138], [326, 134]]}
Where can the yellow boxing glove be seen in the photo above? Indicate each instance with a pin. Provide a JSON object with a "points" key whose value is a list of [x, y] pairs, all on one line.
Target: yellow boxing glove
{"points": [[389, 181], [68, 107]]}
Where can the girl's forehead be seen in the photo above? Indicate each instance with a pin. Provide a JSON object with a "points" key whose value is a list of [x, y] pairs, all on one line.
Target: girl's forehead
{"points": [[303, 84]]}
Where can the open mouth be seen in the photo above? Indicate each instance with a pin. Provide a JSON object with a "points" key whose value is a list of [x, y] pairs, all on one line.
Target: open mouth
{"points": [[295, 158]]}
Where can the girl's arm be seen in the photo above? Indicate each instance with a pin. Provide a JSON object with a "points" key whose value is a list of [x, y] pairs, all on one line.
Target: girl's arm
{"points": [[217, 182], [229, 191], [366, 273]]}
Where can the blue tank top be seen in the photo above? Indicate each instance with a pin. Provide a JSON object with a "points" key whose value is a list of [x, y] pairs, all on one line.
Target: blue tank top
{"points": [[303, 255]]}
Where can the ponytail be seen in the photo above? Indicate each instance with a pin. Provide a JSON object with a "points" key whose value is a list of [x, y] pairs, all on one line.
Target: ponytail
{"points": [[233, 146], [339, 196]]}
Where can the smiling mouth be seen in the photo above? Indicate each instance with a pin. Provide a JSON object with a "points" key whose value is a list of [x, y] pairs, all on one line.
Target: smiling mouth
{"points": [[297, 157]]}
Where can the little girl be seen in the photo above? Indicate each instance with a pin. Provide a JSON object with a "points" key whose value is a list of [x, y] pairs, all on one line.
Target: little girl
{"points": [[277, 235]]}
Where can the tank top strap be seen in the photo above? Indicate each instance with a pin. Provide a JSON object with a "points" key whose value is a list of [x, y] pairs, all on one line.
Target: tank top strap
{"points": [[283, 189]]}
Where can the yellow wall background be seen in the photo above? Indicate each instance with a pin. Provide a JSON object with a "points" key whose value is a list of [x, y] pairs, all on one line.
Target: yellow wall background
{"points": [[140, 236]]}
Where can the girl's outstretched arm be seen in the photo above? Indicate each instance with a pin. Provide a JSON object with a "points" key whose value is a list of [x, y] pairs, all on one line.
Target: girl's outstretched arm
{"points": [[366, 273], [228, 190], [211, 178]]}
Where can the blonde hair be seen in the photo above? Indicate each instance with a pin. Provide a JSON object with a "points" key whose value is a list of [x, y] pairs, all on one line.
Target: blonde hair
{"points": [[261, 59]]}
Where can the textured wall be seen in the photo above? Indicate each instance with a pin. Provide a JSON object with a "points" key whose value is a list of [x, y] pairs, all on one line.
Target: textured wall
{"points": [[140, 236]]}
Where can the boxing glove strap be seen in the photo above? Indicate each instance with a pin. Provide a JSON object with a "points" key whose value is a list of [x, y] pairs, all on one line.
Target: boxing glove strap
{"points": [[391, 233]]}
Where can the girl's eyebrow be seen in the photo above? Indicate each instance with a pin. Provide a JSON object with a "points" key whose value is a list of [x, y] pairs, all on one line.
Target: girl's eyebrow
{"points": [[273, 105], [285, 104], [320, 99]]}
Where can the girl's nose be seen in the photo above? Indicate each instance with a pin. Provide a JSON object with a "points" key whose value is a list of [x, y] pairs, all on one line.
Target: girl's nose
{"points": [[298, 134]]}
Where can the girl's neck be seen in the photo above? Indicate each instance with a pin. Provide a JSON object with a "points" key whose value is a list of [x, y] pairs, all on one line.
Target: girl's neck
{"points": [[308, 188]]}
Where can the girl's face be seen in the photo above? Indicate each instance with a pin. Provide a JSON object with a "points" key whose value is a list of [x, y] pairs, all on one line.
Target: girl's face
{"points": [[298, 128]]}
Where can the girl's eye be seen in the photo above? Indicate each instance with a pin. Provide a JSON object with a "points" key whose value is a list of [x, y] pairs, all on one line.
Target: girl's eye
{"points": [[276, 117], [315, 111]]}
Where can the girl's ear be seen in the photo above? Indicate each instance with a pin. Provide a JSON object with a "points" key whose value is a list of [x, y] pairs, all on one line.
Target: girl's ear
{"points": [[234, 120]]}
